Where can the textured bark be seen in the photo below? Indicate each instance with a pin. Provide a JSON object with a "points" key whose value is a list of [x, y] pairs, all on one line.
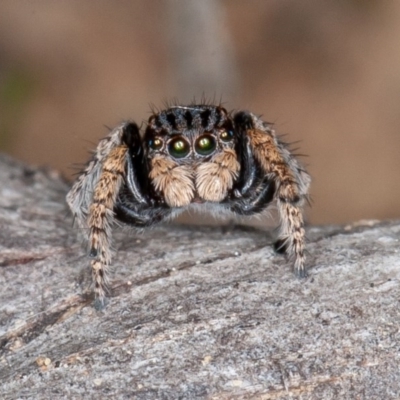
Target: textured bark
{"points": [[195, 313]]}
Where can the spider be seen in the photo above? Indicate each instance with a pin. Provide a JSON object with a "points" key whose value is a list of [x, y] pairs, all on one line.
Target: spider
{"points": [[189, 156]]}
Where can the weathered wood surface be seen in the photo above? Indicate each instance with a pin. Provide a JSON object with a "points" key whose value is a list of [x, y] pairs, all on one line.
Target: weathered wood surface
{"points": [[195, 313]]}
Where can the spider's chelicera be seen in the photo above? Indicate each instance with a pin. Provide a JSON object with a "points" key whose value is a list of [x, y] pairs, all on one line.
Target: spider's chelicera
{"points": [[187, 157]]}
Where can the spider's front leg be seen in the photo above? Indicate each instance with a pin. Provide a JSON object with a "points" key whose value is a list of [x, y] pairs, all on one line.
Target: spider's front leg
{"points": [[105, 193], [284, 179], [92, 199], [253, 190], [114, 171]]}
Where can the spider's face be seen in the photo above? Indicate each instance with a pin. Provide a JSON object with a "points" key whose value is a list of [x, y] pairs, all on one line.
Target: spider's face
{"points": [[191, 153]]}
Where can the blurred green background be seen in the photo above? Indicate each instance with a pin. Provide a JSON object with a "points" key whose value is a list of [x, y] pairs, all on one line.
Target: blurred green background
{"points": [[327, 73]]}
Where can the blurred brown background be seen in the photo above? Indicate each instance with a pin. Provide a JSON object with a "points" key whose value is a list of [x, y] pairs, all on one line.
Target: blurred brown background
{"points": [[326, 72]]}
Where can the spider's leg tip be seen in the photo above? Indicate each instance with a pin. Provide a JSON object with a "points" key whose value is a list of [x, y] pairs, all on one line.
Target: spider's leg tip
{"points": [[100, 303], [301, 273]]}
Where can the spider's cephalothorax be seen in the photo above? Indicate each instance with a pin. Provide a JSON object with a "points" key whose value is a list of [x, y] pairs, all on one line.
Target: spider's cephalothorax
{"points": [[188, 156]]}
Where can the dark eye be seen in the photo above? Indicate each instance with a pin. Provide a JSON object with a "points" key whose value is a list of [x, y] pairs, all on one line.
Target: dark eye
{"points": [[226, 136], [178, 148], [156, 143], [205, 145]]}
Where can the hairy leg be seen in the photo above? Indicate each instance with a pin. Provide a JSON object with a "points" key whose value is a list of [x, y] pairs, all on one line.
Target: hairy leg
{"points": [[291, 181], [101, 216]]}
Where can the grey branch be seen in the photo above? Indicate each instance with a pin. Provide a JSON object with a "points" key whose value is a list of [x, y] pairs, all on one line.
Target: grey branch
{"points": [[195, 313]]}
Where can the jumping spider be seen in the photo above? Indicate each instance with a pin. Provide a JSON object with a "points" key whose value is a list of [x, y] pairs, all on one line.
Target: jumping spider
{"points": [[189, 156]]}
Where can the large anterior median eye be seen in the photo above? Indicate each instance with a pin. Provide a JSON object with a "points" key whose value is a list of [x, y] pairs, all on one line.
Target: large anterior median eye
{"points": [[205, 145], [178, 147]]}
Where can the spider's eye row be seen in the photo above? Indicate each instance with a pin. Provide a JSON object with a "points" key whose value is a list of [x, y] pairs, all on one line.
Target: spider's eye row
{"points": [[178, 148], [226, 136], [156, 143], [205, 145]]}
